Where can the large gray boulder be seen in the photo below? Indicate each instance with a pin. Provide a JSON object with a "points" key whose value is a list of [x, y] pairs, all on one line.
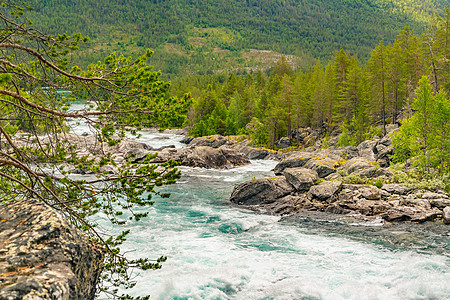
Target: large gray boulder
{"points": [[203, 157], [290, 163], [325, 190], [301, 178], [213, 141], [43, 257], [261, 191]]}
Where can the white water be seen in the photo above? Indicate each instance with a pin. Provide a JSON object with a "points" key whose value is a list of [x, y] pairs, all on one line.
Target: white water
{"points": [[216, 251]]}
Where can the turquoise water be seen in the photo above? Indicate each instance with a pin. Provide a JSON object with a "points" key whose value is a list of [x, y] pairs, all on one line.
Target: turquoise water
{"points": [[217, 251]]}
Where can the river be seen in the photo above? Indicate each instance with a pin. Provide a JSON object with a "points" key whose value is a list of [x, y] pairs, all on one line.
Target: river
{"points": [[218, 251]]}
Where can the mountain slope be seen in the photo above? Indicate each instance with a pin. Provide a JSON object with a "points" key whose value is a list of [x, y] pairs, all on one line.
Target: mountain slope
{"points": [[207, 36]]}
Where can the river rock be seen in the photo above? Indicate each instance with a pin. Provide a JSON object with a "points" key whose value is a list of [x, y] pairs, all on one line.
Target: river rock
{"points": [[325, 190], [43, 257], [213, 141], [208, 157], [406, 213], [301, 178], [290, 163], [446, 215], [261, 191]]}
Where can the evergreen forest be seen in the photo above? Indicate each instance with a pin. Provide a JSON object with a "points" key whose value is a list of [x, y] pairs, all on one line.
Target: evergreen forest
{"points": [[209, 37]]}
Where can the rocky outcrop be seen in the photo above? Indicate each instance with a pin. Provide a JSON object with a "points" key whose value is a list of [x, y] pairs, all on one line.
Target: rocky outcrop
{"points": [[43, 257], [198, 154], [298, 190]]}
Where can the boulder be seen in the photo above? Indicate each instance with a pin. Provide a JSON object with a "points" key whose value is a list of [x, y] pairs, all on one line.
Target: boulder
{"points": [[290, 163], [395, 189], [421, 203], [367, 150], [203, 157], [370, 192], [357, 164], [349, 152], [374, 172], [446, 215], [254, 153], [301, 178], [406, 213], [384, 152], [261, 191], [323, 167], [325, 190], [439, 203], [208, 157], [286, 205], [213, 141], [43, 257]]}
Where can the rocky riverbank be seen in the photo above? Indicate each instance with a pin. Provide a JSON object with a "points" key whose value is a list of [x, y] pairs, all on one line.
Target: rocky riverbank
{"points": [[347, 180]]}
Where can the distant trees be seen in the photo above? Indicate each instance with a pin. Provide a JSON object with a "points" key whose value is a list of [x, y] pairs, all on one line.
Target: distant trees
{"points": [[306, 29], [343, 95]]}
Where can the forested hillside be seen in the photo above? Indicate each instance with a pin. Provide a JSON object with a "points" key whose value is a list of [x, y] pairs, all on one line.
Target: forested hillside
{"points": [[204, 37]]}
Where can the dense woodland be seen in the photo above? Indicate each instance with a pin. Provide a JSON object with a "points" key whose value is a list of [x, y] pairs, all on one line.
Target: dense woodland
{"points": [[341, 95], [200, 37]]}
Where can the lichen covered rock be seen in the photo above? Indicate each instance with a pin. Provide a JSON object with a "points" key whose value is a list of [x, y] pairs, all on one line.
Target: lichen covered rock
{"points": [[43, 257]]}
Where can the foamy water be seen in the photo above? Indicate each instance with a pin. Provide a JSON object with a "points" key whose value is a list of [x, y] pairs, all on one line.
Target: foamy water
{"points": [[217, 251]]}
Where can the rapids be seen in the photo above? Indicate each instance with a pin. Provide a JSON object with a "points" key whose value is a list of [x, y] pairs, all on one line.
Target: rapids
{"points": [[217, 251]]}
